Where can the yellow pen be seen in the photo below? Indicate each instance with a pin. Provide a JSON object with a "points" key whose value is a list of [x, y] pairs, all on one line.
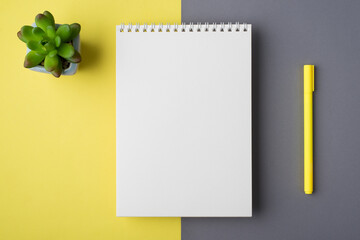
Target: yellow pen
{"points": [[309, 87]]}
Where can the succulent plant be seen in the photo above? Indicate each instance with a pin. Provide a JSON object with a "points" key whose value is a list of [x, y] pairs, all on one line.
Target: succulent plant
{"points": [[50, 46]]}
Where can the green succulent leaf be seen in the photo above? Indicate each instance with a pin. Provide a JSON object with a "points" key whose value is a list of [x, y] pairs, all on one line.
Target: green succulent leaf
{"points": [[38, 33], [49, 46], [66, 50], [33, 59], [76, 58], [50, 16], [58, 70], [50, 31], [21, 37], [36, 46], [51, 62], [64, 32], [25, 34], [43, 22], [53, 53], [75, 30], [27, 31], [57, 41]]}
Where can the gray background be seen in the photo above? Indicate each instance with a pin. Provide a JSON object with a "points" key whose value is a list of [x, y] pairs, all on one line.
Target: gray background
{"points": [[286, 35]]}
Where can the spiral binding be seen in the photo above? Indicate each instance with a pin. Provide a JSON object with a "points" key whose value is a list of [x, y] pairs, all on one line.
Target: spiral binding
{"points": [[199, 27]]}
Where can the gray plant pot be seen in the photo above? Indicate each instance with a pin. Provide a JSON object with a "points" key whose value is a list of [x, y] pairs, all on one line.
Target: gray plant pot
{"points": [[71, 70]]}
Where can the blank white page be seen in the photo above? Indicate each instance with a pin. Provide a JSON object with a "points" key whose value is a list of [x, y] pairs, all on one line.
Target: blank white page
{"points": [[183, 123]]}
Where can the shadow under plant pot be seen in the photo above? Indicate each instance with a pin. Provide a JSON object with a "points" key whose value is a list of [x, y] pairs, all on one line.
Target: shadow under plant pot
{"points": [[71, 67]]}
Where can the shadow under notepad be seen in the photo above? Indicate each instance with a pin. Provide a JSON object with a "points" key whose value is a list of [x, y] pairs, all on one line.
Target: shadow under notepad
{"points": [[256, 116]]}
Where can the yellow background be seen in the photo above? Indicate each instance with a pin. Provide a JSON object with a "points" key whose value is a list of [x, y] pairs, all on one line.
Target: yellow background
{"points": [[57, 136]]}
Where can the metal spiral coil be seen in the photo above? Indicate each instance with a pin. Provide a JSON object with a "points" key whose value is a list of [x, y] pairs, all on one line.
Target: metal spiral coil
{"points": [[183, 27]]}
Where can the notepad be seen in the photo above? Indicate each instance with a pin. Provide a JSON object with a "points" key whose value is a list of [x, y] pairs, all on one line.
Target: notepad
{"points": [[183, 120]]}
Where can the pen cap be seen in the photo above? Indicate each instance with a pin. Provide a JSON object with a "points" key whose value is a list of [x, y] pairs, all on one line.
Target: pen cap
{"points": [[309, 85]]}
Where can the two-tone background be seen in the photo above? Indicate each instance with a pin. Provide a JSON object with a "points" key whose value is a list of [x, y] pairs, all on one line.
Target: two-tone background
{"points": [[57, 136]]}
